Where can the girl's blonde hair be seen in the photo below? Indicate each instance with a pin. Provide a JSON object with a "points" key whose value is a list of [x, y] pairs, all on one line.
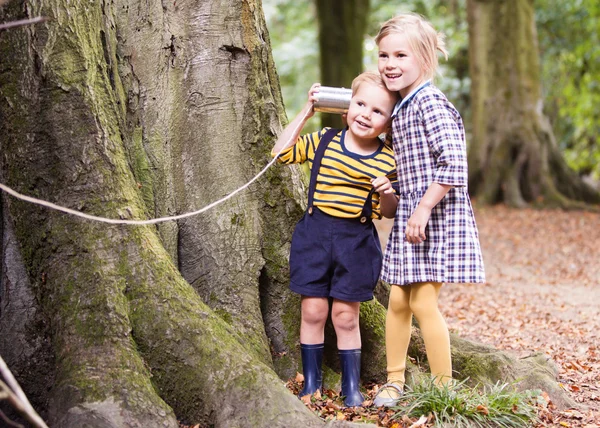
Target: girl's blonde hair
{"points": [[424, 40]]}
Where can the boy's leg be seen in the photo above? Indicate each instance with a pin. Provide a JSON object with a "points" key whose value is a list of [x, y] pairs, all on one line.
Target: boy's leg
{"points": [[313, 317], [345, 317], [424, 304], [312, 325]]}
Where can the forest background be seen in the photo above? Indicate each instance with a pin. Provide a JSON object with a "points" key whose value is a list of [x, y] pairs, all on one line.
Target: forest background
{"points": [[569, 47]]}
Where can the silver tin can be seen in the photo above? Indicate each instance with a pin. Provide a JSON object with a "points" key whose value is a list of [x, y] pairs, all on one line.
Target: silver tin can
{"points": [[333, 100]]}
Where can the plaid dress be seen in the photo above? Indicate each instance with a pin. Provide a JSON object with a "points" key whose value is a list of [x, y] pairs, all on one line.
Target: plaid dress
{"points": [[429, 146]]}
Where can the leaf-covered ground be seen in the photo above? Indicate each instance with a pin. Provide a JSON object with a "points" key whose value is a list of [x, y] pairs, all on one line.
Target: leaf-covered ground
{"points": [[542, 295]]}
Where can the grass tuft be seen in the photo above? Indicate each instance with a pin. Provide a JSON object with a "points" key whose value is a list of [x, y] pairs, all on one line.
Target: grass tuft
{"points": [[458, 405]]}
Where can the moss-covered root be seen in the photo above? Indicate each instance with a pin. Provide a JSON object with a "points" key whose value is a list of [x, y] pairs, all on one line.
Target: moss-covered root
{"points": [[487, 365], [372, 326], [100, 379], [197, 361]]}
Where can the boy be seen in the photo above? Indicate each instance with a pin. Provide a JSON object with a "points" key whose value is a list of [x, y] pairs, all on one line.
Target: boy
{"points": [[335, 250]]}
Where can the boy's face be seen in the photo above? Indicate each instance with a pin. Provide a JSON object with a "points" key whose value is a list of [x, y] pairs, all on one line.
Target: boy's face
{"points": [[398, 65], [370, 110]]}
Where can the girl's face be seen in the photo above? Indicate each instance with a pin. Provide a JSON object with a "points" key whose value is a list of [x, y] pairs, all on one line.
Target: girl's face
{"points": [[370, 110], [400, 68]]}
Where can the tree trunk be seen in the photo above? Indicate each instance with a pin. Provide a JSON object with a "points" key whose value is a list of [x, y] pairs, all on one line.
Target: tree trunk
{"points": [[342, 26], [513, 156], [125, 109]]}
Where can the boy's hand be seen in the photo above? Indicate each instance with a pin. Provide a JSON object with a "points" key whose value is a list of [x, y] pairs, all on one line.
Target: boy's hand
{"points": [[312, 98], [382, 185], [313, 91], [415, 227]]}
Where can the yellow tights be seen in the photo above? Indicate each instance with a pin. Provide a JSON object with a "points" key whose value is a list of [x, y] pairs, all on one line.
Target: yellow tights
{"points": [[420, 299]]}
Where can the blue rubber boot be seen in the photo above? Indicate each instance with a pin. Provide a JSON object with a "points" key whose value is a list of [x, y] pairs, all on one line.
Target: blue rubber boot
{"points": [[350, 362], [312, 357]]}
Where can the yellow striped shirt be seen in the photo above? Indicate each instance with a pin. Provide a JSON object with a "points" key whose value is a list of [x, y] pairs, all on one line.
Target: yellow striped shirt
{"points": [[344, 179]]}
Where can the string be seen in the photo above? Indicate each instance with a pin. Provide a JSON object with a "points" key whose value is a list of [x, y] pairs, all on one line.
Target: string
{"points": [[66, 210]]}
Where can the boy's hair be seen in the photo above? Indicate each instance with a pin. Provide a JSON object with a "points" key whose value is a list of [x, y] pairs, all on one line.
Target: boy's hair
{"points": [[372, 77], [424, 40]]}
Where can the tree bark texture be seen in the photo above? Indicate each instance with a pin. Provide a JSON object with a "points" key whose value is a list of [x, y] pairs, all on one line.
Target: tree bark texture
{"points": [[342, 26], [513, 156], [121, 109]]}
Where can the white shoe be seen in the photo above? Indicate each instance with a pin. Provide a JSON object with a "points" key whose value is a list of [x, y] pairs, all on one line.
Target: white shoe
{"points": [[388, 401]]}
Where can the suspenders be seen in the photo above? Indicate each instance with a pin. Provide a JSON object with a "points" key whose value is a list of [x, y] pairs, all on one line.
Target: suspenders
{"points": [[367, 209]]}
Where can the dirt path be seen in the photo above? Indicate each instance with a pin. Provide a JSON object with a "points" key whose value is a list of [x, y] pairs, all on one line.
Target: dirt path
{"points": [[543, 294]]}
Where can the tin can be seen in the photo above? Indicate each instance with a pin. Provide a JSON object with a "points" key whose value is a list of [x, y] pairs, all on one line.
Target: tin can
{"points": [[333, 100]]}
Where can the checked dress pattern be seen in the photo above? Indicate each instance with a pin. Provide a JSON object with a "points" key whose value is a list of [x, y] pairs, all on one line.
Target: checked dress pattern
{"points": [[429, 146]]}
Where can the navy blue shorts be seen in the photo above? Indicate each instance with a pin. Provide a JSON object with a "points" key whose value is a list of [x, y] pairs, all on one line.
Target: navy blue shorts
{"points": [[334, 257]]}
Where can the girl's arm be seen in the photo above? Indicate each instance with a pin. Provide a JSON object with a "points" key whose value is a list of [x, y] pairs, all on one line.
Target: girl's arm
{"points": [[415, 227], [290, 134], [446, 140]]}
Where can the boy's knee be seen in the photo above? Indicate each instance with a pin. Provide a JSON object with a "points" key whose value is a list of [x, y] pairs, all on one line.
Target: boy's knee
{"points": [[314, 315], [345, 320]]}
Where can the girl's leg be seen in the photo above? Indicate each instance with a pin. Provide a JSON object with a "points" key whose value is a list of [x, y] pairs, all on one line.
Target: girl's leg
{"points": [[398, 323], [424, 304], [345, 317], [314, 315]]}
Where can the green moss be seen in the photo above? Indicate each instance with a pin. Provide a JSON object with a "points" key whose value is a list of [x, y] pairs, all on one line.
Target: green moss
{"points": [[372, 316], [290, 318], [331, 379], [482, 367], [239, 221], [226, 316], [141, 169]]}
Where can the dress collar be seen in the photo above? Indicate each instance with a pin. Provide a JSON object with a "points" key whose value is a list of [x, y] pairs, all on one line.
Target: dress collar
{"points": [[406, 99]]}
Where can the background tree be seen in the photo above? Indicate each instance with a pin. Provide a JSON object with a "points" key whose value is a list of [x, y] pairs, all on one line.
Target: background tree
{"points": [[570, 72], [342, 25], [513, 156]]}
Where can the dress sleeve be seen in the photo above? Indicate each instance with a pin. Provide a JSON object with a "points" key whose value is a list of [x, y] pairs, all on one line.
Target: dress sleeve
{"points": [[446, 138], [394, 181]]}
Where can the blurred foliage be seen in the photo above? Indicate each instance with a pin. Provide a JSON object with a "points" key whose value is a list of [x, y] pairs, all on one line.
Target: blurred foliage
{"points": [[293, 29], [569, 52], [570, 55]]}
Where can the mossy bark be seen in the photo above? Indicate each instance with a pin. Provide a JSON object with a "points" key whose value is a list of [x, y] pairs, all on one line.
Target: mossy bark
{"points": [[513, 155]]}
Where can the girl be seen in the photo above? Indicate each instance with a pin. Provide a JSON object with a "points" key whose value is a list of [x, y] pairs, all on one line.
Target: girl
{"points": [[434, 239]]}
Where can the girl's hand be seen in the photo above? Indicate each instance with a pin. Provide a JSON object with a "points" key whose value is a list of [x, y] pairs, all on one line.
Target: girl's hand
{"points": [[382, 185], [415, 227]]}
